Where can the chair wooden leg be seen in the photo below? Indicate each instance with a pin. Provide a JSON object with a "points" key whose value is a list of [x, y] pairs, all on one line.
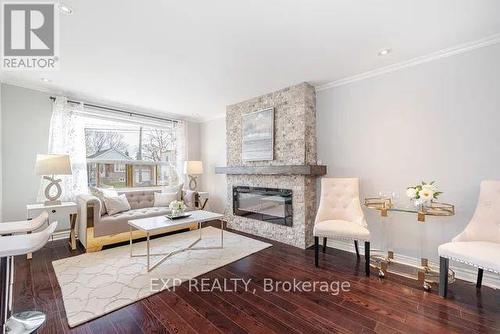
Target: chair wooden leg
{"points": [[324, 245], [316, 251], [444, 265], [356, 247], [367, 258], [479, 278]]}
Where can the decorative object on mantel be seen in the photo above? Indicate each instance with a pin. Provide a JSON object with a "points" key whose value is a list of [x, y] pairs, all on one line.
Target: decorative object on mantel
{"points": [[308, 170], [52, 164], [191, 169], [384, 260], [258, 135]]}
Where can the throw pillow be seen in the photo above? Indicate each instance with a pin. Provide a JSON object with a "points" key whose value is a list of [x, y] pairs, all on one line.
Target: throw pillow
{"points": [[190, 198], [174, 189], [116, 204], [164, 199], [100, 193]]}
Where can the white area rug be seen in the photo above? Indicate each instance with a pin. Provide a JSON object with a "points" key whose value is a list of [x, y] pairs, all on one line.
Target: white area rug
{"points": [[94, 284]]}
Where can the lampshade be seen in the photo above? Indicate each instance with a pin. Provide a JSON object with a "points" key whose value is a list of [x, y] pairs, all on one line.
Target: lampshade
{"points": [[193, 167], [52, 164]]}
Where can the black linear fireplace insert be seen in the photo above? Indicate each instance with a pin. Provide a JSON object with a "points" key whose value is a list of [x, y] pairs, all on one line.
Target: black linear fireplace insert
{"points": [[267, 204]]}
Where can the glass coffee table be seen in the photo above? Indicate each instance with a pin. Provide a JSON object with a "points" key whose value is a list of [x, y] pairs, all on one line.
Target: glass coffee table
{"points": [[384, 259], [155, 225]]}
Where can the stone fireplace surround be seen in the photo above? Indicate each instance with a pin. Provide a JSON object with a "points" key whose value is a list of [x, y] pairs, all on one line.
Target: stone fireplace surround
{"points": [[294, 166]]}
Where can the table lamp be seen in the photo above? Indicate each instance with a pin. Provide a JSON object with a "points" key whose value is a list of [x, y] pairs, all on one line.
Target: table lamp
{"points": [[48, 166], [191, 169]]}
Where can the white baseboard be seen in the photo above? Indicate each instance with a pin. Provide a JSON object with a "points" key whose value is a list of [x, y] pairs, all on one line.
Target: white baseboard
{"points": [[463, 272]]}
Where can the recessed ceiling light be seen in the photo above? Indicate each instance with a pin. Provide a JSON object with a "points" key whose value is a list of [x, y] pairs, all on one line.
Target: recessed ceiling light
{"points": [[65, 9], [46, 80], [384, 52]]}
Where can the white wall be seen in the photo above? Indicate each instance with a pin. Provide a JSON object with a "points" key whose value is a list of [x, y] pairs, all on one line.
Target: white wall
{"points": [[435, 121], [193, 141], [213, 154], [25, 128]]}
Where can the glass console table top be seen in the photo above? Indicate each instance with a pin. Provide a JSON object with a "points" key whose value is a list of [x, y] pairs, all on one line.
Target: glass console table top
{"points": [[386, 263], [385, 205]]}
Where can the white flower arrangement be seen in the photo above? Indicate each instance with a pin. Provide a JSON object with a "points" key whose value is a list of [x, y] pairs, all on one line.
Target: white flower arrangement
{"points": [[424, 193], [177, 206]]}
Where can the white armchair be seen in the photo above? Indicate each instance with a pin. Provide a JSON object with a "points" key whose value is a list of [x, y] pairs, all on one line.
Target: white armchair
{"points": [[479, 244], [341, 217]]}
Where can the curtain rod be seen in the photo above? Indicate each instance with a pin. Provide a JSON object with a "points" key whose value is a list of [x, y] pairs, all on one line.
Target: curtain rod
{"points": [[129, 113]]}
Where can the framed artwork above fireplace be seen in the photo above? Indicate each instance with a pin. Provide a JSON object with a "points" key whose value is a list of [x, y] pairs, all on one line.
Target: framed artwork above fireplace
{"points": [[258, 135]]}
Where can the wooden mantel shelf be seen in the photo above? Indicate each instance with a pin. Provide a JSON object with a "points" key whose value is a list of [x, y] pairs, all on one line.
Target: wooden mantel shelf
{"points": [[308, 170]]}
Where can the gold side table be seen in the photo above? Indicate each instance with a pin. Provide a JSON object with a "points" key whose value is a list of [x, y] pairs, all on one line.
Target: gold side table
{"points": [[385, 263]]}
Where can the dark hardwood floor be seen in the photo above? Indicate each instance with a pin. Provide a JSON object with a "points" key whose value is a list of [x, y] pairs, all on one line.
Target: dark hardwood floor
{"points": [[372, 306]]}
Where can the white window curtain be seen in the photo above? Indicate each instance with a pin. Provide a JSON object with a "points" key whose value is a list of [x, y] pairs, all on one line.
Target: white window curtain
{"points": [[67, 136], [180, 142]]}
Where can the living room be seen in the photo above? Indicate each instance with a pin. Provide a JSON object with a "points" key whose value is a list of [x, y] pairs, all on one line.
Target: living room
{"points": [[298, 166]]}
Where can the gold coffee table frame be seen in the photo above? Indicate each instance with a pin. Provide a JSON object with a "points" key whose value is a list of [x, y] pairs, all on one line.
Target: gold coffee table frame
{"points": [[426, 275]]}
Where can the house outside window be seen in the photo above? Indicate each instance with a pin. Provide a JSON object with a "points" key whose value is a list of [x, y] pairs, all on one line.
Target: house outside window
{"points": [[130, 155]]}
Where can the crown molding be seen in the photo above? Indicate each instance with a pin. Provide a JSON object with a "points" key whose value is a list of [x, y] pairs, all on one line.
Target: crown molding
{"points": [[214, 118], [455, 50]]}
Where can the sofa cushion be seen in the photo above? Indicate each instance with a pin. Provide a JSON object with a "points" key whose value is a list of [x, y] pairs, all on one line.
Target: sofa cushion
{"points": [[139, 199], [118, 223], [135, 214]]}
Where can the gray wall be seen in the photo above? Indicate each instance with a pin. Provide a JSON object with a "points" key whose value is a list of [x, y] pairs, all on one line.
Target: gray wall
{"points": [[435, 121], [25, 129]]}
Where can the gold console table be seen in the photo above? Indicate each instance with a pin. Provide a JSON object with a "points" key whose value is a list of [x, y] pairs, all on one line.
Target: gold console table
{"points": [[385, 262]]}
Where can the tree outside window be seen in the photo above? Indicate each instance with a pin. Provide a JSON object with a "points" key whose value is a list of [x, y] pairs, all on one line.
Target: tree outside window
{"points": [[130, 156]]}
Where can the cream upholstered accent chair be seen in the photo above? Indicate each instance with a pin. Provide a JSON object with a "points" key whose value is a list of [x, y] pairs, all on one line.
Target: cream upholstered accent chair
{"points": [[341, 217], [479, 244]]}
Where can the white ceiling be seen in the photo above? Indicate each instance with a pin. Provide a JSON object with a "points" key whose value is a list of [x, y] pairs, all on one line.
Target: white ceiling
{"points": [[193, 57]]}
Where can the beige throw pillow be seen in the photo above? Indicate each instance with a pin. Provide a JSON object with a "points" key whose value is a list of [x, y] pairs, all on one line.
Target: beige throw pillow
{"points": [[116, 204], [100, 193], [174, 189], [190, 198], [164, 199]]}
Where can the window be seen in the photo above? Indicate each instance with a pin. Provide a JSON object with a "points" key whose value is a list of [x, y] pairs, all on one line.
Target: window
{"points": [[123, 154]]}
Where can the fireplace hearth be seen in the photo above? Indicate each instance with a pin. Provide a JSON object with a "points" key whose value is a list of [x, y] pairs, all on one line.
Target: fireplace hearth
{"points": [[267, 204]]}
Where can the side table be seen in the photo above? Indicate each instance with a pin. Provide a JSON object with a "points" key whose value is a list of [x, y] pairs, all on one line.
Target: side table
{"points": [[65, 208], [202, 199], [425, 274]]}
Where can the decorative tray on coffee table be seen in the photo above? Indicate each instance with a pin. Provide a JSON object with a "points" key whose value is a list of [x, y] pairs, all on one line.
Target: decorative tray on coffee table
{"points": [[182, 215]]}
